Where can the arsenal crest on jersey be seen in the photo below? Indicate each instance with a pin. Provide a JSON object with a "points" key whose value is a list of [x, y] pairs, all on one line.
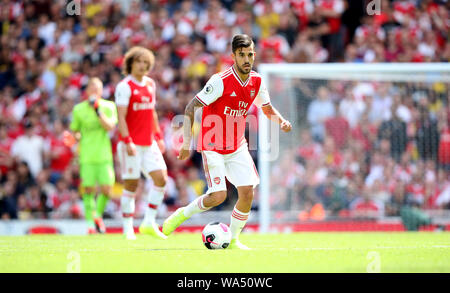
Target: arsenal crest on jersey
{"points": [[217, 180]]}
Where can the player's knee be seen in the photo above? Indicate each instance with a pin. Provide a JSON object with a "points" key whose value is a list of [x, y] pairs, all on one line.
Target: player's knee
{"points": [[246, 194], [106, 190], [159, 179], [218, 197], [131, 185], [89, 190]]}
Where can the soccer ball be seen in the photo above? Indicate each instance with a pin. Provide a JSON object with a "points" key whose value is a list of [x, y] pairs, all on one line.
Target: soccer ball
{"points": [[216, 235]]}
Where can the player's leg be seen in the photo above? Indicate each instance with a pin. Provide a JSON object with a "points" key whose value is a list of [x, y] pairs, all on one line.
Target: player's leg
{"points": [[214, 168], [87, 175], [130, 173], [102, 200], [128, 205], [106, 179], [200, 204], [240, 214], [241, 172], [89, 208], [154, 198], [154, 167]]}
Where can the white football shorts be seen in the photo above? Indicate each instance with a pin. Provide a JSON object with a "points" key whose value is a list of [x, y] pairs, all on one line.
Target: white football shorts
{"points": [[147, 159], [237, 167]]}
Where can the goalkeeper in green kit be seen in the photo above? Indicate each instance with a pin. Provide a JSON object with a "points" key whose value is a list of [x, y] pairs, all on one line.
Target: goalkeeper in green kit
{"points": [[91, 121]]}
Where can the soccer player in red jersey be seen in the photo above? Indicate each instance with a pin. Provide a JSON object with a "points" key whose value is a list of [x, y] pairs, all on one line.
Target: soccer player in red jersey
{"points": [[141, 145], [226, 99]]}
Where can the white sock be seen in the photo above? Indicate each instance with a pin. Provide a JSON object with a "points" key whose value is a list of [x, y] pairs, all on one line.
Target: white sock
{"points": [[196, 206], [155, 198], [237, 222], [127, 205]]}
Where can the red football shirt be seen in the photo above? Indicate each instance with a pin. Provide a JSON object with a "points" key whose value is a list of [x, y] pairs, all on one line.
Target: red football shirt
{"points": [[139, 97], [63, 152], [227, 100]]}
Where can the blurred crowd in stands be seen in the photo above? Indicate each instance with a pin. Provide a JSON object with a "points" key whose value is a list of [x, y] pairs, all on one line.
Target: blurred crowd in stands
{"points": [[368, 149], [49, 50]]}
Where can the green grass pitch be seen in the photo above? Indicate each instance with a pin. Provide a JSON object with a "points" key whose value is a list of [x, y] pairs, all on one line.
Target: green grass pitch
{"points": [[272, 253]]}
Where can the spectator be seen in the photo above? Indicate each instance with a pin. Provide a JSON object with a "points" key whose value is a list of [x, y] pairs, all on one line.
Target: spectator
{"points": [[398, 199], [308, 149], [380, 104], [319, 111], [394, 131], [444, 149], [6, 160], [366, 206], [352, 108], [60, 153], [266, 18], [338, 128], [71, 209], [30, 148], [37, 202], [427, 136], [365, 133], [331, 11], [8, 203], [274, 48]]}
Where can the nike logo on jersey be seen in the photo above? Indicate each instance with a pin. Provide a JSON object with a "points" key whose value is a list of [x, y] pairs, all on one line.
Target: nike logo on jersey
{"points": [[233, 94]]}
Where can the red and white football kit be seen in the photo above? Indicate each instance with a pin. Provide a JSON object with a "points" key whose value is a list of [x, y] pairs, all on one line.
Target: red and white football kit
{"points": [[139, 97], [227, 100]]}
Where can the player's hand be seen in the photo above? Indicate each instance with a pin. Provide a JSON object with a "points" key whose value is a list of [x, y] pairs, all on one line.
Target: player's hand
{"points": [[161, 145], [68, 139], [94, 103], [131, 149], [185, 152], [286, 126]]}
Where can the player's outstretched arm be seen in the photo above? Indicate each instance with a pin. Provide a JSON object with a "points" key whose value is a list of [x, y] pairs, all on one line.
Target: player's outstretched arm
{"points": [[275, 116], [187, 127]]}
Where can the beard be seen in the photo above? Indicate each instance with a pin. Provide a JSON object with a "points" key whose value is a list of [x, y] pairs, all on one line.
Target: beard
{"points": [[244, 70]]}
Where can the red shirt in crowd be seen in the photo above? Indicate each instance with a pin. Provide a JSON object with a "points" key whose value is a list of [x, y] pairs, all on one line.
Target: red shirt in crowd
{"points": [[338, 128], [63, 154]]}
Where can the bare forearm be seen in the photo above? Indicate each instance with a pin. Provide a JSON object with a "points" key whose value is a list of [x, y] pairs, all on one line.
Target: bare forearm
{"points": [[188, 121], [273, 114], [187, 124], [156, 128], [123, 127], [121, 115]]}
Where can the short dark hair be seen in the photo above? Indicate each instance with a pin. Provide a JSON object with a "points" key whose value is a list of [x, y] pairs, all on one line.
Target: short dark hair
{"points": [[240, 41]]}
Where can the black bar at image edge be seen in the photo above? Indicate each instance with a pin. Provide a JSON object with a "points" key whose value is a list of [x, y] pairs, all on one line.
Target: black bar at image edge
{"points": [[206, 282]]}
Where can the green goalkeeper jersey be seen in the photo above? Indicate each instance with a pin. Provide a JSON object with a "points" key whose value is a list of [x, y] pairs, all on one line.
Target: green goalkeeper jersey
{"points": [[95, 143]]}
